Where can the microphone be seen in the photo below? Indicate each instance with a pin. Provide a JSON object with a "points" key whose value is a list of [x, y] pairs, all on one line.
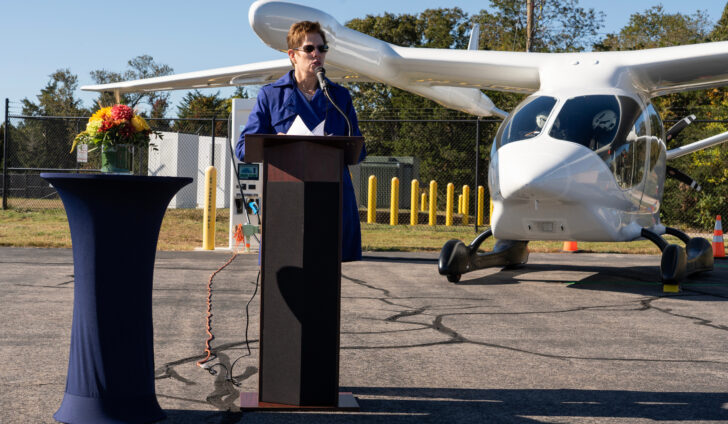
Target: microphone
{"points": [[320, 74]]}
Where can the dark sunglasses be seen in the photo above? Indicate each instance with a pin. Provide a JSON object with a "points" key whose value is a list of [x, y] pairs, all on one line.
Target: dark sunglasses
{"points": [[309, 48]]}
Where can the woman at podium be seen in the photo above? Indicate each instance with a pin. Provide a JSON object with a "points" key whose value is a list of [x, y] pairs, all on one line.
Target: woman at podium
{"points": [[297, 94]]}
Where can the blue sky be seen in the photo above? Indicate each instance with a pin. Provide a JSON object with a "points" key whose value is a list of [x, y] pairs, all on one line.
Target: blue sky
{"points": [[39, 37]]}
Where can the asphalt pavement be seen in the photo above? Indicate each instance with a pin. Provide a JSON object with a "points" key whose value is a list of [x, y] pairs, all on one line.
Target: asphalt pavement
{"points": [[567, 338]]}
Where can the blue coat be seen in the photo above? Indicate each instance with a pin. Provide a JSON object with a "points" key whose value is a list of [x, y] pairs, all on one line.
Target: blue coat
{"points": [[278, 105]]}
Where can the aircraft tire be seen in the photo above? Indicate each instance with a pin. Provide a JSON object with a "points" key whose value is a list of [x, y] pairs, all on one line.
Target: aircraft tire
{"points": [[453, 278]]}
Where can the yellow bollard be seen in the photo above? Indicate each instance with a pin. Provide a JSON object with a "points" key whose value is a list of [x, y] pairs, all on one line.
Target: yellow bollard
{"points": [[423, 203], [208, 218], [433, 203], [448, 204], [414, 190], [481, 204], [394, 202], [460, 203], [490, 216], [372, 200], [466, 203]]}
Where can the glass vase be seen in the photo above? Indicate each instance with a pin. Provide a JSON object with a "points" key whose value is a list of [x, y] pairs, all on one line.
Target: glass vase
{"points": [[117, 159]]}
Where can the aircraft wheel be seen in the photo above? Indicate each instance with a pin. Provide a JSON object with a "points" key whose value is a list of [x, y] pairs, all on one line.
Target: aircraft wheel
{"points": [[453, 278]]}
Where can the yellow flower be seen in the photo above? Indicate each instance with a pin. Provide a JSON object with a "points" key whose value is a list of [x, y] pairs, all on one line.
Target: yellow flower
{"points": [[93, 125], [101, 114], [139, 123]]}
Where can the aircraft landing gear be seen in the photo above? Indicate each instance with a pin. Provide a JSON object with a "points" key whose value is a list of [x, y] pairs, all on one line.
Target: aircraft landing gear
{"points": [[456, 258], [678, 262]]}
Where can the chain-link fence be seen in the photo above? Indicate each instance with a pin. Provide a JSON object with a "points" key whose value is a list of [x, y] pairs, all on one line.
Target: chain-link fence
{"points": [[36, 144], [453, 151]]}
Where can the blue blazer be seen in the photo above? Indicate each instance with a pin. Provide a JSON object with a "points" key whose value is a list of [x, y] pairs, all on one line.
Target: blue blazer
{"points": [[277, 106]]}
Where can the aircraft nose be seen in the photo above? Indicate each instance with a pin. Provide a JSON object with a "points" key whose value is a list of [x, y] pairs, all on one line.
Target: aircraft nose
{"points": [[540, 169]]}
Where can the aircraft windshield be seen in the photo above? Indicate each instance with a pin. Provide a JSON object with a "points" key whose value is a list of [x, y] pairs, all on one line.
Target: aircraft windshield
{"points": [[615, 127], [526, 121], [595, 121]]}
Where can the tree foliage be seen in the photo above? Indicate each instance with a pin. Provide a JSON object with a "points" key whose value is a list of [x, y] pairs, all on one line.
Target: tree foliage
{"points": [[655, 28], [139, 67], [559, 26], [44, 143], [57, 97], [196, 111]]}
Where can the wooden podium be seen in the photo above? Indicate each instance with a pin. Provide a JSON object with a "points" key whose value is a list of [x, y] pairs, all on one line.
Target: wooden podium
{"points": [[301, 270]]}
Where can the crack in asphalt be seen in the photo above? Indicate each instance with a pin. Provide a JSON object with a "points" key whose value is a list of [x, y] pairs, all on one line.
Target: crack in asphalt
{"points": [[57, 286], [385, 292], [406, 314], [696, 320], [453, 337], [225, 393]]}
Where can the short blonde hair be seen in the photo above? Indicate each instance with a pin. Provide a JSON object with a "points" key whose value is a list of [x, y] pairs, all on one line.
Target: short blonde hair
{"points": [[299, 30]]}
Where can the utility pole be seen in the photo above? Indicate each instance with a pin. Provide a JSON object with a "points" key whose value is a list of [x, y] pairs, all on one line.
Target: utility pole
{"points": [[529, 24]]}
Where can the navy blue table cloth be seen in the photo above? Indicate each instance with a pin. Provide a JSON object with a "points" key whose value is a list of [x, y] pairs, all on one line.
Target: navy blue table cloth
{"points": [[115, 222]]}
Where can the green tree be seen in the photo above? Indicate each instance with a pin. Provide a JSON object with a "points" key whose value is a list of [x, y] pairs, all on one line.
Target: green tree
{"points": [[45, 143], [656, 28], [140, 67], [57, 97], [559, 26], [240, 92], [196, 111], [720, 31]]}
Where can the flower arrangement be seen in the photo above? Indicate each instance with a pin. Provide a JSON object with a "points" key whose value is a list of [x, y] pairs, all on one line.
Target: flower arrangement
{"points": [[115, 125]]}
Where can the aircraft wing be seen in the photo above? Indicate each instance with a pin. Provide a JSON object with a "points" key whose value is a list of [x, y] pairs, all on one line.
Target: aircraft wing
{"points": [[454, 78], [680, 68], [251, 74]]}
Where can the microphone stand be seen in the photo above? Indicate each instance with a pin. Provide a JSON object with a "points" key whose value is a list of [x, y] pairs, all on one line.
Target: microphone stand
{"points": [[320, 71]]}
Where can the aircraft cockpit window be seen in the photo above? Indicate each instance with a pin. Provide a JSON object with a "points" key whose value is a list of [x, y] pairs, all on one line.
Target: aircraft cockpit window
{"points": [[615, 127], [591, 121], [527, 121]]}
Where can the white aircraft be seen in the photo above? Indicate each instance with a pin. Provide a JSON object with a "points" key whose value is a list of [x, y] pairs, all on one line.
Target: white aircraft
{"points": [[582, 158]]}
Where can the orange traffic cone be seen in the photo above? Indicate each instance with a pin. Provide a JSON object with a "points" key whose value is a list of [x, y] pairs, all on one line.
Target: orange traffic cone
{"points": [[718, 245], [570, 246]]}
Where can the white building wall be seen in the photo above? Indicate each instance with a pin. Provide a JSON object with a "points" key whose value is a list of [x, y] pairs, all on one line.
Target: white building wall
{"points": [[175, 155]]}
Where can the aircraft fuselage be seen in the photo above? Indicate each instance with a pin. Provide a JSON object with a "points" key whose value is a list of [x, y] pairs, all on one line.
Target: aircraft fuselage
{"points": [[585, 167]]}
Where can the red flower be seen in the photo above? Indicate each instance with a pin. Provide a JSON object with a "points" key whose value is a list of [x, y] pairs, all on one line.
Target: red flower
{"points": [[106, 125], [126, 131], [121, 112]]}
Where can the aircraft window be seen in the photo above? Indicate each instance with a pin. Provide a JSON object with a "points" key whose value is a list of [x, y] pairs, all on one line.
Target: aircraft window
{"points": [[658, 132], [526, 121], [591, 121], [615, 127], [630, 154]]}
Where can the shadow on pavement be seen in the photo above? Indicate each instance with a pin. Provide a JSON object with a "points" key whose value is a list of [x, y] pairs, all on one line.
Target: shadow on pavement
{"points": [[416, 405]]}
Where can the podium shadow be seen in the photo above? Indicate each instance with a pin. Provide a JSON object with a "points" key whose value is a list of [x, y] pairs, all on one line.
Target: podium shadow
{"points": [[443, 405]]}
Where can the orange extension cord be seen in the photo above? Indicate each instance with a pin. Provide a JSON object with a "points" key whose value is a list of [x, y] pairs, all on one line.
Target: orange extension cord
{"points": [[208, 328]]}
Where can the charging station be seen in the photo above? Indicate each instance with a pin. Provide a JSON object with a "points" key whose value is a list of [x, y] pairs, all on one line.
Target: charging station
{"points": [[246, 194]]}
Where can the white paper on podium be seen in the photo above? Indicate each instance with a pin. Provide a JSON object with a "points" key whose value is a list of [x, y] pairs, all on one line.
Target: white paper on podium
{"points": [[299, 128]]}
